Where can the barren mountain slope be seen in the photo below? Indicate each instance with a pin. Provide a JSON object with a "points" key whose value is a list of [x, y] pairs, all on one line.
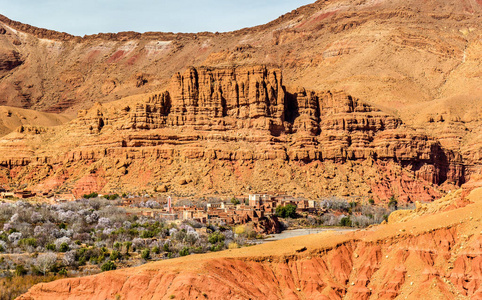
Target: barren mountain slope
{"points": [[394, 53], [435, 254], [11, 118]]}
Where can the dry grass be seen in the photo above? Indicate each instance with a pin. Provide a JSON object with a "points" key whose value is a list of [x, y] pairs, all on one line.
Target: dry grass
{"points": [[12, 287]]}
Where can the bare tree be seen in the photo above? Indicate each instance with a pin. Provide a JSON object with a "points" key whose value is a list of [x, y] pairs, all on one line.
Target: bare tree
{"points": [[45, 261], [70, 258]]}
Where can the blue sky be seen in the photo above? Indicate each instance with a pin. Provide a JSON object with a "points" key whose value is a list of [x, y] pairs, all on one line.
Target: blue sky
{"points": [[94, 16]]}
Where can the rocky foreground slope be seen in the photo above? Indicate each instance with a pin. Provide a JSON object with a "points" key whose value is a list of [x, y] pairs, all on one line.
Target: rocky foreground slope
{"points": [[433, 252], [236, 130]]}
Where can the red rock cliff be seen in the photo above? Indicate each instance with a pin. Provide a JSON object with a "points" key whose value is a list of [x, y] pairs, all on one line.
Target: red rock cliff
{"points": [[242, 121]]}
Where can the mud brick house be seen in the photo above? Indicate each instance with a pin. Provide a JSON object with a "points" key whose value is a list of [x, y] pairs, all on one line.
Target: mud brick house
{"points": [[23, 194], [64, 198]]}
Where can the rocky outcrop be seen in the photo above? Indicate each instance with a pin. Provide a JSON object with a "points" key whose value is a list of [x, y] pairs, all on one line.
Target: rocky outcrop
{"points": [[9, 60], [38, 32], [324, 45], [232, 98], [268, 225], [433, 256], [244, 119]]}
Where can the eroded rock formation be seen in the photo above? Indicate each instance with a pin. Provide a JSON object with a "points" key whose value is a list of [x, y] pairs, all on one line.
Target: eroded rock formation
{"points": [[245, 122], [9, 60], [421, 129]]}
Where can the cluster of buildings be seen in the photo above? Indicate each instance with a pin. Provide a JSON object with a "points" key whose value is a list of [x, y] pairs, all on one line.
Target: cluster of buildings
{"points": [[256, 208], [20, 194], [25, 194]]}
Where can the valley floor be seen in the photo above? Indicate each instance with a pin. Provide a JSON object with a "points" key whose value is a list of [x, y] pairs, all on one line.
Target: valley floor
{"points": [[431, 252]]}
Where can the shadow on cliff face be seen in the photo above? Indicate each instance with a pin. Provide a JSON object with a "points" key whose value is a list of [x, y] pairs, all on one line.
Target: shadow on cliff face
{"points": [[291, 105], [443, 167]]}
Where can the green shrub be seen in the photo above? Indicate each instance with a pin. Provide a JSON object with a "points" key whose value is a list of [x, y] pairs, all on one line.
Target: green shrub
{"points": [[146, 254], [132, 232], [94, 260], [287, 211], [50, 247], [64, 247], [91, 195], [108, 266], [28, 242], [216, 237], [20, 270], [128, 246], [114, 255], [156, 250], [54, 268], [217, 247], [184, 251], [235, 201], [35, 270], [393, 203], [371, 201], [345, 221], [110, 197], [63, 272], [148, 234]]}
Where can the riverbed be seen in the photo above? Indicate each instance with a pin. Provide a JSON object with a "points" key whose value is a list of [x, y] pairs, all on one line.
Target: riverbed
{"points": [[303, 231]]}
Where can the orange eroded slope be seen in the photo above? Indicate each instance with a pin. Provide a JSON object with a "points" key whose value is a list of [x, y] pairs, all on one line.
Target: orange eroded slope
{"points": [[434, 256]]}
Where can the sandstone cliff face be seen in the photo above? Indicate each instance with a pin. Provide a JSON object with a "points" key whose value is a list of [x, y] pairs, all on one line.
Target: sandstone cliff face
{"points": [[236, 130], [232, 98], [434, 256]]}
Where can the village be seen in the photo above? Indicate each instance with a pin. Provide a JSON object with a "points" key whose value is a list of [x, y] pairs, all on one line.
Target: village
{"points": [[256, 209], [262, 211]]}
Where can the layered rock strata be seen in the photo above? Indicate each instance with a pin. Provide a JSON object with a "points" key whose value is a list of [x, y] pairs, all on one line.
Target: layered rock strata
{"points": [[243, 117]]}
